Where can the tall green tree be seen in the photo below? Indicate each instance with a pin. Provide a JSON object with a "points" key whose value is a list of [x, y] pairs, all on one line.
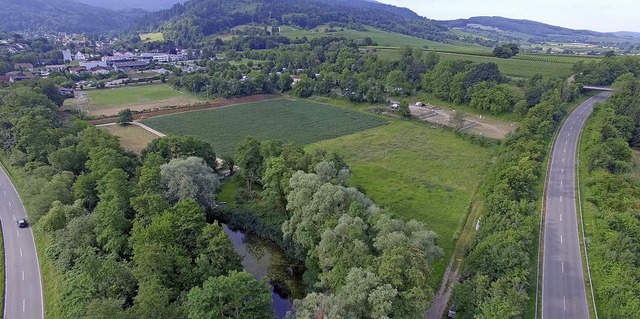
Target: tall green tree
{"points": [[237, 296]]}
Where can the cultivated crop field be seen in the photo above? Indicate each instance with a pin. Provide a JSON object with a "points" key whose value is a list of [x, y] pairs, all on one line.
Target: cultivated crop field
{"points": [[417, 172], [298, 121], [520, 67], [381, 37], [110, 101]]}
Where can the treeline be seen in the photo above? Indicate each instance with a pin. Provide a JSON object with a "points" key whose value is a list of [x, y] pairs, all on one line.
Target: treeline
{"points": [[335, 67], [129, 235], [611, 199], [606, 71], [190, 23], [361, 262], [500, 263]]}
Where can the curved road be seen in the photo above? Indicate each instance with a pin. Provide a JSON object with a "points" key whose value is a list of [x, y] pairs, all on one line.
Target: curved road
{"points": [[23, 288], [563, 283]]}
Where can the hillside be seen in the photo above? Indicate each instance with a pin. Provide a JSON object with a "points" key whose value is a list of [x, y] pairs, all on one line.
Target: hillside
{"points": [[196, 19], [505, 29], [148, 5], [60, 15]]}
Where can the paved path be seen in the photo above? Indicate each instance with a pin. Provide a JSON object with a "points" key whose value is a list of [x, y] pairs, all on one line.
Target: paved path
{"points": [[23, 288], [563, 282]]}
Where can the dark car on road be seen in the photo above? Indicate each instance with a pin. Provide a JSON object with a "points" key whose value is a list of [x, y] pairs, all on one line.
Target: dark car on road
{"points": [[22, 223]]}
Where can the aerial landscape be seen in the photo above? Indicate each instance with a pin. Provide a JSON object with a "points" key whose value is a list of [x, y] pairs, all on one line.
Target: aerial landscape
{"points": [[319, 159]]}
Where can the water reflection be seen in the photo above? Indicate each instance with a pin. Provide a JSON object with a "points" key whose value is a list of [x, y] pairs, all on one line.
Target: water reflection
{"points": [[262, 259]]}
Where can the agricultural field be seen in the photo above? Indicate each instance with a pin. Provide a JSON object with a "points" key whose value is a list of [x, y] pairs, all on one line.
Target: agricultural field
{"points": [[298, 121], [110, 101], [132, 137], [151, 37], [519, 67], [382, 38], [417, 172]]}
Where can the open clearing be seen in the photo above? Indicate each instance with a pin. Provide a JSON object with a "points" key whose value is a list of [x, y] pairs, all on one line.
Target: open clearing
{"points": [[473, 123], [151, 37], [137, 98], [132, 137], [417, 172], [298, 121]]}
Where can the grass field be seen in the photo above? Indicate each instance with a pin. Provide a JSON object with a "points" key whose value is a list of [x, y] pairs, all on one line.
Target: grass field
{"points": [[382, 38], [299, 121], [151, 37], [132, 137], [132, 95], [417, 172], [525, 67]]}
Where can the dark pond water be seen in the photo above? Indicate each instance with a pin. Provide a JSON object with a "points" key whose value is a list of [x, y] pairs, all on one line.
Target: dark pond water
{"points": [[264, 259]]}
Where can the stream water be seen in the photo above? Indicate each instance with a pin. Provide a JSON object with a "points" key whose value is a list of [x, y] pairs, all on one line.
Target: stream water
{"points": [[264, 259]]}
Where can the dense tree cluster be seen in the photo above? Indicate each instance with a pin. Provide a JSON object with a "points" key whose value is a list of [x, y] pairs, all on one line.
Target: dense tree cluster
{"points": [[506, 51], [612, 196], [605, 71], [129, 235], [345, 240], [498, 268]]}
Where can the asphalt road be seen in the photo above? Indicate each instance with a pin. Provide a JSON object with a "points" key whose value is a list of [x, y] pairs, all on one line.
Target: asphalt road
{"points": [[563, 283], [23, 288]]}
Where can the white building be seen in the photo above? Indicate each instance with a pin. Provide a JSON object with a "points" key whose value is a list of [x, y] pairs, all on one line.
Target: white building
{"points": [[79, 56], [161, 58]]}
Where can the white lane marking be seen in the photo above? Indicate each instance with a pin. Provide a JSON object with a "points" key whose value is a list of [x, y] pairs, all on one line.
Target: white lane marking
{"points": [[566, 141], [561, 239], [17, 232], [562, 171], [5, 193], [9, 204], [560, 183], [23, 275], [14, 217], [565, 150], [561, 199], [563, 159], [568, 134], [563, 266], [560, 217], [20, 251], [564, 303], [24, 302]]}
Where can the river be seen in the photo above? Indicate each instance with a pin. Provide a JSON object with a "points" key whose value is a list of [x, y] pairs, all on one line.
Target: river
{"points": [[262, 259]]}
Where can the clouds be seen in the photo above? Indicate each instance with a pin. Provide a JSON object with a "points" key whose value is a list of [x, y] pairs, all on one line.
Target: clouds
{"points": [[597, 15]]}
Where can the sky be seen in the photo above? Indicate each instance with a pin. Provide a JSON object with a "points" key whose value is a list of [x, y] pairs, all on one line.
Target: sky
{"points": [[596, 15]]}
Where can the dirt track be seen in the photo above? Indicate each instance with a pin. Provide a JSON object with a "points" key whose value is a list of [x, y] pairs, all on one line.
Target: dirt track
{"points": [[174, 110], [475, 124]]}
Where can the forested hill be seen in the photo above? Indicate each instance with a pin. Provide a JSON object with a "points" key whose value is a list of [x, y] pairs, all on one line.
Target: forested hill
{"points": [[149, 5], [61, 15], [192, 21], [526, 27]]}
